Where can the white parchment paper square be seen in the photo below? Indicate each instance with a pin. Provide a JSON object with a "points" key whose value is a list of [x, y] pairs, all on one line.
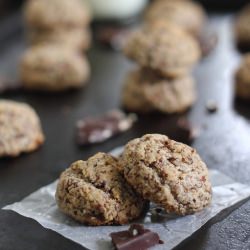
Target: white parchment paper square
{"points": [[41, 207]]}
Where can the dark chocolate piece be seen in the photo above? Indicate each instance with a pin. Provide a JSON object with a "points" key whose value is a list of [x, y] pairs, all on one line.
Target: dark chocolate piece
{"points": [[98, 129], [211, 106], [188, 131], [135, 238], [112, 37], [7, 85]]}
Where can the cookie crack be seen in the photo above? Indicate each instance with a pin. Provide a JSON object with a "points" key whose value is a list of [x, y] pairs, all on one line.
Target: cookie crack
{"points": [[164, 181]]}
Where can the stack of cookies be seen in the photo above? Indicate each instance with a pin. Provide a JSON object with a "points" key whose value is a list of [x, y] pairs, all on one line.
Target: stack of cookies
{"points": [[166, 54], [58, 31], [105, 190]]}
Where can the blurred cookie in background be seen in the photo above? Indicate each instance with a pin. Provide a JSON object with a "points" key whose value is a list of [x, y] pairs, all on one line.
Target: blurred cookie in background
{"points": [[78, 39], [51, 14], [167, 49], [133, 98], [20, 129], [189, 15], [58, 22], [146, 91], [53, 68], [242, 79], [242, 28], [169, 95]]}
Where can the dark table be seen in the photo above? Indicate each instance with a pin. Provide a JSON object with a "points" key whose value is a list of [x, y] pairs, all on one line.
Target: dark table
{"points": [[224, 142]]}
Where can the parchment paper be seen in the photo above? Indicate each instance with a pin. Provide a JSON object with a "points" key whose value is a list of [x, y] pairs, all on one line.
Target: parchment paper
{"points": [[41, 207]]}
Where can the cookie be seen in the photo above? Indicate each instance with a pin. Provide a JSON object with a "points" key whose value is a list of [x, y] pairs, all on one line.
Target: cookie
{"points": [[168, 95], [242, 78], [78, 39], [53, 68], [168, 173], [242, 28], [48, 14], [167, 50], [20, 129], [133, 98], [95, 192], [146, 91], [189, 15]]}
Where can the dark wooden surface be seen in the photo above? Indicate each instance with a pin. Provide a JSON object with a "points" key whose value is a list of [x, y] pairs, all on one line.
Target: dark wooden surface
{"points": [[224, 142]]}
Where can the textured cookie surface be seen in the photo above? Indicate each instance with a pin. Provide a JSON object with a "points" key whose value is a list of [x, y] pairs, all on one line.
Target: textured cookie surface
{"points": [[242, 27], [53, 68], [79, 39], [166, 95], [242, 78], [20, 129], [147, 91], [168, 49], [189, 15], [168, 173], [48, 14], [133, 97], [95, 192]]}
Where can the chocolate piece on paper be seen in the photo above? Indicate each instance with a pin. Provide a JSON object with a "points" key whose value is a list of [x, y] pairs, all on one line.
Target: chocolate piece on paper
{"points": [[7, 85], [135, 238], [98, 129]]}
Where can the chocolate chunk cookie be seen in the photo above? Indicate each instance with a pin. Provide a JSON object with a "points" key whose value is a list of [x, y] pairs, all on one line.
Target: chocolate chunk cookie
{"points": [[167, 172], [147, 91], [20, 129], [242, 78], [53, 68], [78, 39], [47, 14], [242, 28], [189, 15], [168, 50], [169, 96], [133, 98], [95, 192]]}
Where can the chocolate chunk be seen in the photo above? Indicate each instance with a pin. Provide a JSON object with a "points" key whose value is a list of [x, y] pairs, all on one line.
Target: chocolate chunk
{"points": [[211, 106], [112, 37], [98, 129], [188, 131], [7, 85], [135, 238]]}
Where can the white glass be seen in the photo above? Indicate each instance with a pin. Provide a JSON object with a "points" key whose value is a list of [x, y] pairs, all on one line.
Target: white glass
{"points": [[115, 9]]}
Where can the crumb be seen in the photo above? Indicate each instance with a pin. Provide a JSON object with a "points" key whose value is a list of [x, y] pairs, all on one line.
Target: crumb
{"points": [[211, 106]]}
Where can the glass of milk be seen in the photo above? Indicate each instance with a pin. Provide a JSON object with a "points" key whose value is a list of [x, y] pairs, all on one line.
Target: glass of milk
{"points": [[115, 9]]}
